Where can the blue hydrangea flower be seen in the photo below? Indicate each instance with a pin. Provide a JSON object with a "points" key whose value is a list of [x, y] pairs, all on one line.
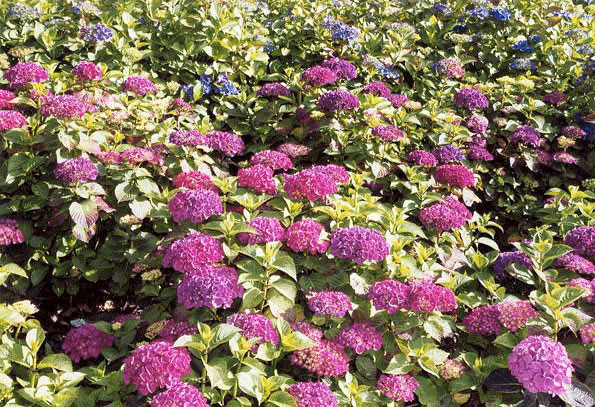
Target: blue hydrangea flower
{"points": [[587, 127], [564, 14], [22, 13], [500, 14], [441, 9], [96, 33], [459, 29], [577, 33], [341, 31], [524, 64], [522, 46], [388, 72], [188, 90], [536, 39], [586, 50], [225, 87], [480, 12]]}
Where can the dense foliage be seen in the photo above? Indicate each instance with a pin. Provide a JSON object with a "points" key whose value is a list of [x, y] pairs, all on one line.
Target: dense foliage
{"points": [[307, 203]]}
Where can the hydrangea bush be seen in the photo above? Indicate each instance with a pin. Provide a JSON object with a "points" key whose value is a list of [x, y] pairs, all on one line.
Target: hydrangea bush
{"points": [[297, 203]]}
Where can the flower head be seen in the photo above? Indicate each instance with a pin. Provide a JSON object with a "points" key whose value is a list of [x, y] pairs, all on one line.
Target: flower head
{"points": [[456, 175], [272, 159], [483, 320], [138, 85], [343, 69], [11, 119], [316, 394], [255, 326], [360, 336], [156, 365], [304, 237], [451, 369], [25, 73], [582, 240], [66, 107], [229, 144], [576, 263], [194, 180], [387, 133], [555, 98], [188, 138], [172, 330], [471, 99], [293, 150], [9, 232], [76, 170], [190, 253], [525, 135], [195, 205], [211, 287], [425, 296], [330, 303], [397, 387], [5, 97], [389, 295], [447, 215], [267, 230], [338, 100], [258, 178], [319, 76], [449, 67], [377, 89], [541, 365], [587, 333], [326, 359], [477, 124], [447, 154], [179, 395], [87, 71], [515, 257], [86, 342], [359, 244], [515, 314], [273, 89], [421, 157]]}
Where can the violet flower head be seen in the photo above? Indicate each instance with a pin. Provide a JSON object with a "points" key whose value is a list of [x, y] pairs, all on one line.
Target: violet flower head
{"points": [[212, 287], [338, 100], [76, 170], [192, 252], [377, 89], [10, 233], [304, 237], [456, 175], [273, 90], [25, 73], [330, 304], [87, 71], [180, 394], [359, 244], [389, 295], [479, 154], [397, 387], [575, 263], [360, 336], [326, 359], [573, 132], [156, 365], [398, 100], [555, 98], [86, 342], [564, 157], [515, 314], [312, 183], [180, 105], [259, 178], [188, 138], [11, 119], [174, 329], [255, 326], [305, 328], [139, 86], [477, 123], [195, 205], [447, 215], [421, 157], [587, 333], [541, 365], [342, 68], [483, 320], [319, 76], [448, 154], [582, 240], [138, 155], [515, 257], [316, 394], [525, 135], [294, 150], [267, 230], [229, 144], [65, 107], [194, 180], [5, 97], [275, 160], [388, 133], [425, 296], [449, 67], [471, 99]]}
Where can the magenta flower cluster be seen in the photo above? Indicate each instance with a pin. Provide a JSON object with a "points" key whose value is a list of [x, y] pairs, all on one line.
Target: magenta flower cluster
{"points": [[456, 175], [515, 314], [194, 180], [330, 304], [477, 123], [389, 295], [471, 99], [483, 320], [259, 178], [137, 155], [377, 89], [255, 326], [9, 232], [360, 336], [195, 205], [447, 215], [315, 394], [86, 342], [275, 160], [293, 150], [449, 67], [587, 333], [319, 76], [156, 365], [342, 68], [212, 287], [25, 73], [75, 170], [5, 97], [304, 237], [10, 119], [417, 296], [188, 138], [576, 263], [267, 230], [397, 387], [421, 157], [87, 71], [582, 240], [138, 85], [506, 258], [387, 133], [359, 244], [273, 89], [174, 329], [190, 253], [65, 107], [180, 395], [325, 359], [338, 100], [555, 98], [229, 144], [525, 135], [447, 154], [541, 365], [314, 183]]}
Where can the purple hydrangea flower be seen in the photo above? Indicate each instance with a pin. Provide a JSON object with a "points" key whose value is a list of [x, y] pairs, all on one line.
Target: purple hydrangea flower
{"points": [[229, 144], [421, 157], [312, 183], [338, 100], [360, 336], [389, 295], [304, 237], [455, 175], [86, 342], [573, 132], [174, 329], [447, 215], [449, 67], [377, 89], [188, 138], [319, 76], [576, 263], [447, 154], [87, 71], [589, 286], [564, 157], [506, 258], [541, 365], [425, 296], [555, 98], [192, 252], [471, 99], [259, 178], [387, 133], [477, 124], [483, 320], [255, 326], [212, 287], [138, 85], [25, 73], [273, 89], [359, 244], [10, 233], [156, 365], [10, 119], [330, 303], [326, 359], [5, 97], [587, 333], [479, 154], [526, 135], [582, 240], [343, 69], [65, 107], [195, 205], [76, 170], [267, 230], [515, 314], [397, 387], [315, 394], [272, 159], [180, 395]]}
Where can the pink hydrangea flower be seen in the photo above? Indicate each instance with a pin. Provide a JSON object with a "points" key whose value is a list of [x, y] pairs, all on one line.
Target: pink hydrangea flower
{"points": [[10, 119], [138, 85], [87, 71], [515, 314], [541, 365], [360, 336], [576, 263], [387, 133], [180, 395], [194, 180], [139, 155], [259, 178], [25, 73], [275, 160], [471, 99], [9, 232], [421, 157], [293, 150], [483, 320], [229, 144], [359, 244], [389, 295], [397, 387], [456, 175], [330, 303], [425, 296], [255, 326], [156, 365], [188, 138], [267, 230], [304, 237], [451, 369], [273, 89], [65, 107], [377, 89], [195, 205], [318, 76], [190, 253], [315, 394], [212, 287], [76, 170], [587, 333], [5, 97], [447, 215], [342, 68], [174, 329], [86, 342], [326, 359]]}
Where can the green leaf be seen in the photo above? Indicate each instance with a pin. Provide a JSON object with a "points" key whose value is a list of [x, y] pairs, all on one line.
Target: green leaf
{"points": [[578, 395], [282, 399], [140, 208], [251, 383], [252, 298], [222, 333], [34, 339], [502, 381], [507, 339], [58, 361], [219, 374], [85, 214], [283, 262], [12, 268], [427, 392], [399, 364]]}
